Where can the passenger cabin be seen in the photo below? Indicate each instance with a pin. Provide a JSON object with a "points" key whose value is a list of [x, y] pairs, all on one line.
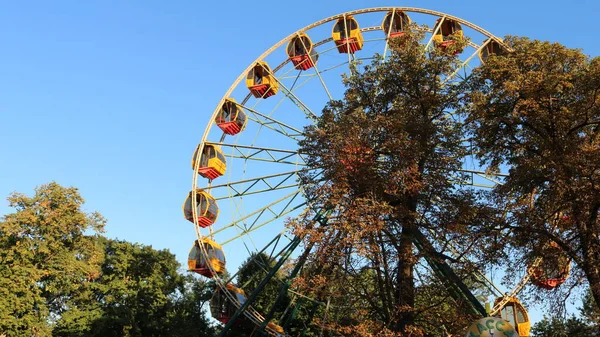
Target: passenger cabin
{"points": [[231, 118], [490, 47], [446, 33], [221, 306], [395, 24], [301, 52], [207, 209], [514, 312], [206, 265], [553, 270], [347, 35], [212, 161], [261, 82]]}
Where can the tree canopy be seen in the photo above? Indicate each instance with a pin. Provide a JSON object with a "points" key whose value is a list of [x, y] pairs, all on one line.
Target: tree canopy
{"points": [[385, 163], [536, 112], [61, 277]]}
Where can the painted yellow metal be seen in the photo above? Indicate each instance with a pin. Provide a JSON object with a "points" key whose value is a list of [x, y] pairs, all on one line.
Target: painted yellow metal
{"points": [[206, 208], [231, 118], [491, 327], [514, 312], [260, 81], [301, 52], [212, 161], [347, 35], [215, 260]]}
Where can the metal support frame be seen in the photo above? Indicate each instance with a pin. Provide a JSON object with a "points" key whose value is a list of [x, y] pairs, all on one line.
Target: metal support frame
{"points": [[457, 288]]}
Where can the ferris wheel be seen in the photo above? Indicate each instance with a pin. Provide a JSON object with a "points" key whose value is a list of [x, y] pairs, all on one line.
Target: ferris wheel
{"points": [[246, 167]]}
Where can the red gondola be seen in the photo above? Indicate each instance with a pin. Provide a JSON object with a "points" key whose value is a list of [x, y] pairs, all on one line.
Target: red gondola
{"points": [[231, 118], [347, 35], [395, 24], [553, 270], [207, 210], [212, 161], [301, 52], [209, 265], [448, 32], [261, 82], [221, 306]]}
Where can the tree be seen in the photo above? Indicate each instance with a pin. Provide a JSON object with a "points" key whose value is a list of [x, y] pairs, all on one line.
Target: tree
{"points": [[60, 277], [47, 252], [536, 111], [557, 327], [249, 275], [138, 293], [380, 163]]}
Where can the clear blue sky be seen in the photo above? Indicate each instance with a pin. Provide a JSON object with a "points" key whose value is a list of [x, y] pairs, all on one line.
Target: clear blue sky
{"points": [[112, 97]]}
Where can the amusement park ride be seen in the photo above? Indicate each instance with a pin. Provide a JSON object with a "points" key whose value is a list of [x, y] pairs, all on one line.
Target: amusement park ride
{"points": [[248, 160]]}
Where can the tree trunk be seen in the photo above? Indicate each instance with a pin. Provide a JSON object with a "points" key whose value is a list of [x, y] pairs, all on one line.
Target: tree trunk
{"points": [[405, 287]]}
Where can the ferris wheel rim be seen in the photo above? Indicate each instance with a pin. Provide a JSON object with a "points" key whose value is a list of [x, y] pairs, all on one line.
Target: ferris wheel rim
{"points": [[221, 282]]}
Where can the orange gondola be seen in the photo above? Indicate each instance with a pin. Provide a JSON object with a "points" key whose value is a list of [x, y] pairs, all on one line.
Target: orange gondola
{"points": [[221, 306], [514, 312], [231, 118], [207, 209], [347, 35], [261, 82], [301, 52], [209, 265], [395, 24], [491, 47], [553, 270], [447, 32], [212, 161]]}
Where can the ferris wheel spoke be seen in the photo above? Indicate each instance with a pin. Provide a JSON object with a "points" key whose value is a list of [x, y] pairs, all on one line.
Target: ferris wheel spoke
{"points": [[491, 177], [434, 32], [314, 62], [292, 97], [256, 215], [259, 153], [256, 185], [270, 122], [466, 62]]}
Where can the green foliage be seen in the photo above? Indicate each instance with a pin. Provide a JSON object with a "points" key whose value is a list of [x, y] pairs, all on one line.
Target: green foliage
{"points": [[556, 327], [536, 110], [60, 277], [138, 293], [48, 251], [250, 274], [382, 158]]}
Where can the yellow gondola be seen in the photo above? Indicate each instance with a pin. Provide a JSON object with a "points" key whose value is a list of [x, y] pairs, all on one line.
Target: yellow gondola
{"points": [[214, 263], [261, 81], [231, 118], [448, 32], [347, 35], [221, 306], [301, 52], [395, 24], [207, 209], [493, 47], [514, 312], [212, 161]]}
